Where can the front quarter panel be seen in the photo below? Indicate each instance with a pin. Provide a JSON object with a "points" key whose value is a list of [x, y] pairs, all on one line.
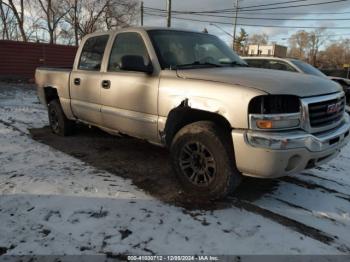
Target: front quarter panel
{"points": [[229, 101]]}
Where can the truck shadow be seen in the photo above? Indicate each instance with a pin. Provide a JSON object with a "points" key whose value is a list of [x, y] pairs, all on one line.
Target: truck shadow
{"points": [[146, 165]]}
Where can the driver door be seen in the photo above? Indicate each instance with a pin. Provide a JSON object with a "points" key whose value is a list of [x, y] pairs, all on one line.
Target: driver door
{"points": [[130, 100]]}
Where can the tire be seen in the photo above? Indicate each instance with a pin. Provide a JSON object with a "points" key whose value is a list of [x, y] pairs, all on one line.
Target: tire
{"points": [[202, 157], [59, 123]]}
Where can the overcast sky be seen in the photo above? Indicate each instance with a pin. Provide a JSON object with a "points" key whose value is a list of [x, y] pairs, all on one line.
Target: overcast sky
{"points": [[276, 34]]}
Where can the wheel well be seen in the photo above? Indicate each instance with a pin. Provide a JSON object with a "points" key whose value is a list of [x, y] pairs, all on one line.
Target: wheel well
{"points": [[184, 115], [50, 94]]}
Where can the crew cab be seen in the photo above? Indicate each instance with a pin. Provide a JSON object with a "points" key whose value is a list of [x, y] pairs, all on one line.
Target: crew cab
{"points": [[191, 93]]}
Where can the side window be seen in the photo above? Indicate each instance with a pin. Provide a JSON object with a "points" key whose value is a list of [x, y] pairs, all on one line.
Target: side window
{"points": [[277, 65], [92, 53], [259, 63], [127, 44]]}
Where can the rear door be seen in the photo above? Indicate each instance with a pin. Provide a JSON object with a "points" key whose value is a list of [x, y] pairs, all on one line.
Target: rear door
{"points": [[85, 80]]}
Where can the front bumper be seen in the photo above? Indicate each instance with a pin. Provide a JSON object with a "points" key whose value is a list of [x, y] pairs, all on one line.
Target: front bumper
{"points": [[271, 155]]}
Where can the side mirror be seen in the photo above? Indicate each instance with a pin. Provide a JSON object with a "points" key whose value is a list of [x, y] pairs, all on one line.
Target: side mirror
{"points": [[135, 63]]}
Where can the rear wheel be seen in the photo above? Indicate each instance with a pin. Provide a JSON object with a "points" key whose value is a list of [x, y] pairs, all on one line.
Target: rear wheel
{"points": [[203, 159], [59, 123]]}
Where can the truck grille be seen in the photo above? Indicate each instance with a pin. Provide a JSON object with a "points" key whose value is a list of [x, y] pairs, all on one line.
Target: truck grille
{"points": [[326, 112]]}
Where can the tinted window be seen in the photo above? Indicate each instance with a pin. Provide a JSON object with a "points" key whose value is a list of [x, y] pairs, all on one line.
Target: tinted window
{"points": [[260, 63], [307, 68], [279, 65], [127, 44], [92, 53], [270, 64]]}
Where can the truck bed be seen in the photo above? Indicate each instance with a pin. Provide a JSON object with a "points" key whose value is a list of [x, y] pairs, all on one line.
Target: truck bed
{"points": [[55, 77]]}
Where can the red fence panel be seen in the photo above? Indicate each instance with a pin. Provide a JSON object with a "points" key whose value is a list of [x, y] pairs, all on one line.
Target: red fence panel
{"points": [[18, 59]]}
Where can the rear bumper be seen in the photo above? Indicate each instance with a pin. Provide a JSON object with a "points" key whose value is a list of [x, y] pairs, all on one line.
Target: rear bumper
{"points": [[271, 155]]}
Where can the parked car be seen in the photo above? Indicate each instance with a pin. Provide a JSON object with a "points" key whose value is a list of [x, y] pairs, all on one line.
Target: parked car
{"points": [[191, 93], [298, 66]]}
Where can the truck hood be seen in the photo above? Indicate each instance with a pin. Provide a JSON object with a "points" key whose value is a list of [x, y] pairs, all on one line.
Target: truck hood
{"points": [[267, 80]]}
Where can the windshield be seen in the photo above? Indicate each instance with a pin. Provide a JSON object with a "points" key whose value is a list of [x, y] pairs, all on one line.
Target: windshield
{"points": [[178, 49], [307, 68]]}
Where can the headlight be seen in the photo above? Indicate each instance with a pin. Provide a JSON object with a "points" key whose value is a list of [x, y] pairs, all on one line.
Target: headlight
{"points": [[274, 112], [275, 121]]}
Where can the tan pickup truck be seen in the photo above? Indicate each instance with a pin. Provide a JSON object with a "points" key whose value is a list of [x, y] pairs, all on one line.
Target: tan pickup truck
{"points": [[191, 93]]}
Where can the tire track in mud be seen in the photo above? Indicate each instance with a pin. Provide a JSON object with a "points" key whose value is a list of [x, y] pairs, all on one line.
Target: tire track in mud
{"points": [[13, 127], [324, 179], [312, 185], [292, 224], [292, 205]]}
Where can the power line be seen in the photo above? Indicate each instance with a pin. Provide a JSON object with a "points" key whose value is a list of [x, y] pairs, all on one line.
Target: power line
{"points": [[299, 13], [252, 25], [295, 6], [264, 13], [274, 19], [247, 9], [271, 4]]}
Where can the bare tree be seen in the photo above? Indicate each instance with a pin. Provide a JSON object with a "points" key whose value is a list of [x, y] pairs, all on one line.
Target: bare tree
{"points": [[69, 20], [120, 13], [53, 13], [259, 39], [72, 17], [4, 12], [88, 16], [19, 15], [298, 44], [316, 39], [335, 55]]}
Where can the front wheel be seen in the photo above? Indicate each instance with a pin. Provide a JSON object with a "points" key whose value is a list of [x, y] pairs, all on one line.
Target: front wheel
{"points": [[203, 159], [59, 123]]}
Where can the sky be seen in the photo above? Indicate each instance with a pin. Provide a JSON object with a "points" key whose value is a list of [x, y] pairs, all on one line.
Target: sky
{"points": [[279, 35]]}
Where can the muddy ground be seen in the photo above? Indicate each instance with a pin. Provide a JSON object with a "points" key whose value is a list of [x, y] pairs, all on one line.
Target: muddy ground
{"points": [[147, 165], [304, 213]]}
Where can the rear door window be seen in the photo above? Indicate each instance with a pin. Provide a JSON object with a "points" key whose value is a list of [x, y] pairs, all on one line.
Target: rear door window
{"points": [[92, 53]]}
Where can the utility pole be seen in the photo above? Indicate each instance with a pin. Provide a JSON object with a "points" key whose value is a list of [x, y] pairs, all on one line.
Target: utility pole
{"points": [[235, 25], [141, 13], [168, 7]]}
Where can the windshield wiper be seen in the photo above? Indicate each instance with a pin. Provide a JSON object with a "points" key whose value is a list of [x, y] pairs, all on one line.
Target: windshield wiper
{"points": [[197, 63]]}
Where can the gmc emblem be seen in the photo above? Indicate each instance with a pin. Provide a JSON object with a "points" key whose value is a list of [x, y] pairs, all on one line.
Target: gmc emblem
{"points": [[334, 108]]}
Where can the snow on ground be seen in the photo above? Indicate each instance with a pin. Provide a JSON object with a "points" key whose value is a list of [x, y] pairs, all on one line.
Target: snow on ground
{"points": [[52, 203]]}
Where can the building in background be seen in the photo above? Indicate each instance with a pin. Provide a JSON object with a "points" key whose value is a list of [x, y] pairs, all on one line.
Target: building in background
{"points": [[267, 50]]}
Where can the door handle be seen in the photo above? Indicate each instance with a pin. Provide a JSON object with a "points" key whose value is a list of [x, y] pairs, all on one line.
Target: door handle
{"points": [[106, 84], [77, 81]]}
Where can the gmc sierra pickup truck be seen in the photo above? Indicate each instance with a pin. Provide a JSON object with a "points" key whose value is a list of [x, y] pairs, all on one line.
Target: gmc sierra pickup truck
{"points": [[190, 92]]}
